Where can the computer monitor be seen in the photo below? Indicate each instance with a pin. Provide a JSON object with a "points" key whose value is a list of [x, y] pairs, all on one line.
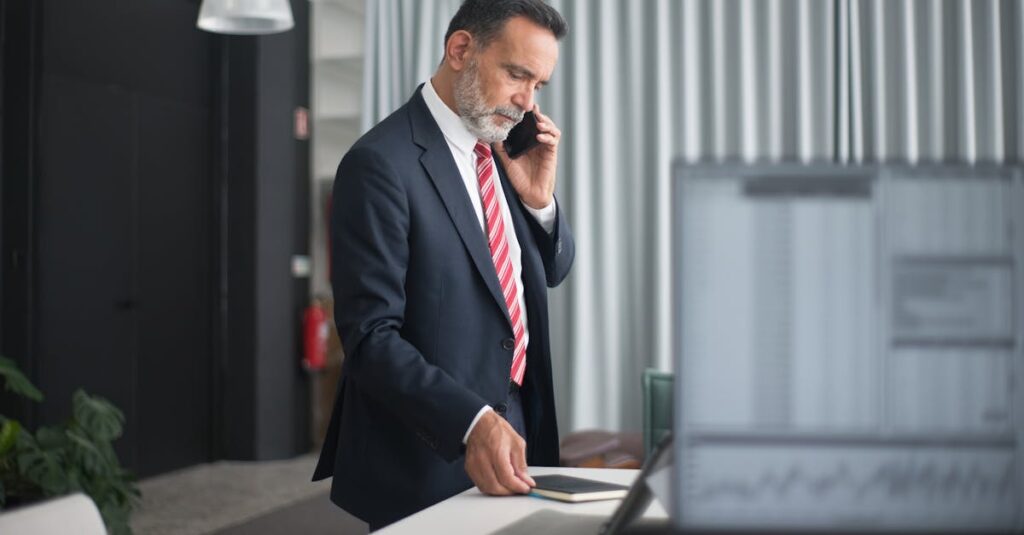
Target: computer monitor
{"points": [[848, 350]]}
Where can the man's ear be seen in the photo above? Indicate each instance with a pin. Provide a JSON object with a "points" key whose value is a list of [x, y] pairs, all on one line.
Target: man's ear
{"points": [[458, 49]]}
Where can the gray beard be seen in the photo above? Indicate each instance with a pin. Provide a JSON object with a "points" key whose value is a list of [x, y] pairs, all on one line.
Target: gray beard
{"points": [[473, 111]]}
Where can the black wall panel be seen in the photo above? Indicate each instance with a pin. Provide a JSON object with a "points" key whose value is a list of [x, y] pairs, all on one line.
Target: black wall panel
{"points": [[175, 284], [17, 255], [85, 260], [3, 44], [124, 281], [150, 46], [239, 128], [278, 186], [156, 195]]}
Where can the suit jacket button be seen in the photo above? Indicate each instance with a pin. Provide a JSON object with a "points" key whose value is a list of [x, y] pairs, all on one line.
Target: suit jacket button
{"points": [[501, 408], [508, 344]]}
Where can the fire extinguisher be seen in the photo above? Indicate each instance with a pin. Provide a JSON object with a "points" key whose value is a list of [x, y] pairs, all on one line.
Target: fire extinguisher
{"points": [[314, 336]]}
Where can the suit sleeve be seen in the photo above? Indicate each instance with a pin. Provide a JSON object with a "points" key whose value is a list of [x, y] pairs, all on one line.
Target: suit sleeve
{"points": [[370, 255], [557, 249]]}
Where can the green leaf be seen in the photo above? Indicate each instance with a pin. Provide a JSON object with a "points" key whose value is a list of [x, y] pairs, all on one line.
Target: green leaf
{"points": [[97, 416], [51, 438], [43, 468], [109, 454], [87, 454], [75, 455], [8, 436], [116, 516], [25, 441], [125, 490], [16, 382], [74, 480]]}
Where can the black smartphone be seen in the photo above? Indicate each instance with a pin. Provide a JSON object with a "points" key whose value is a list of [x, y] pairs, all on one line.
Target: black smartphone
{"points": [[522, 137]]}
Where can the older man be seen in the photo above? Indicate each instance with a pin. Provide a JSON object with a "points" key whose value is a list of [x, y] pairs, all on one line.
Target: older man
{"points": [[443, 248]]}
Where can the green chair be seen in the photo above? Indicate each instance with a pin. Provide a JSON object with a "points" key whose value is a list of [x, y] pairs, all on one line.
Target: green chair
{"points": [[657, 392]]}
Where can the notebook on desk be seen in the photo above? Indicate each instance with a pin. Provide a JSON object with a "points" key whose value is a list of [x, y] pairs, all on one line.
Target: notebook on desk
{"points": [[576, 489], [638, 497]]}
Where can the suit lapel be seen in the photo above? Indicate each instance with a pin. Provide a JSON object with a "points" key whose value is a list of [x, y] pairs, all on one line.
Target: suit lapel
{"points": [[440, 167]]}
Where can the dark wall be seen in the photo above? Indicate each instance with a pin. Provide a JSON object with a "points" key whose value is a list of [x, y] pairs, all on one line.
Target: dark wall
{"points": [[123, 286], [285, 228], [282, 195], [3, 34], [20, 48], [267, 189], [166, 197]]}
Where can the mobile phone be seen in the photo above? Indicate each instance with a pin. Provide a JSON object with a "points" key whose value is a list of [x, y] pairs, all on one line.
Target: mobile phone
{"points": [[522, 137]]}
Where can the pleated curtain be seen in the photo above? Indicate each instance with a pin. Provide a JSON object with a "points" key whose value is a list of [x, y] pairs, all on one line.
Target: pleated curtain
{"points": [[933, 81], [643, 83]]}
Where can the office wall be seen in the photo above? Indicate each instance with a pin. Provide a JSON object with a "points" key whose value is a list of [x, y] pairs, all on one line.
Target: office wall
{"points": [[18, 49], [156, 194], [266, 185], [3, 41]]}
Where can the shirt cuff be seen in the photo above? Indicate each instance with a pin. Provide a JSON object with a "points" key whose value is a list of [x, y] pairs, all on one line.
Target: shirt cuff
{"points": [[545, 216], [483, 410]]}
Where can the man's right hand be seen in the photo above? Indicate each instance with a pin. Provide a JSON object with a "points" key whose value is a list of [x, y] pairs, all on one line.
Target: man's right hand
{"points": [[496, 457]]}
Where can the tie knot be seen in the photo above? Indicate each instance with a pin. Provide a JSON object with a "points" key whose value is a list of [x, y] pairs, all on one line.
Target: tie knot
{"points": [[482, 150]]}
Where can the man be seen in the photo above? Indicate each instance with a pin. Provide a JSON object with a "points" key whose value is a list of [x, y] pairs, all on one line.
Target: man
{"points": [[442, 249]]}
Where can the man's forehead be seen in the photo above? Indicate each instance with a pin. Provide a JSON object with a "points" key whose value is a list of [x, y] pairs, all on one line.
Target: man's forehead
{"points": [[527, 46]]}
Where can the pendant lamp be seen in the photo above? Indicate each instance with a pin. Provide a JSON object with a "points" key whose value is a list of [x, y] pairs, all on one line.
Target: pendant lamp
{"points": [[245, 17]]}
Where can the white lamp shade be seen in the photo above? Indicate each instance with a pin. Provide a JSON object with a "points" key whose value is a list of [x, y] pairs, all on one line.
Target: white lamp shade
{"points": [[245, 17]]}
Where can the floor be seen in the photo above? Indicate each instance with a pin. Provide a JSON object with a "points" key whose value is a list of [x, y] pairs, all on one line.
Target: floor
{"points": [[314, 516], [234, 498]]}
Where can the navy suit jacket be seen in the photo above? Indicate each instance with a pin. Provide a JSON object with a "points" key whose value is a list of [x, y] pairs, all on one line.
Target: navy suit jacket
{"points": [[423, 322]]}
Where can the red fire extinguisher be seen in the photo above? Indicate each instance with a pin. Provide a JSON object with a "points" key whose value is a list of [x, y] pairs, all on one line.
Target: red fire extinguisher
{"points": [[314, 336]]}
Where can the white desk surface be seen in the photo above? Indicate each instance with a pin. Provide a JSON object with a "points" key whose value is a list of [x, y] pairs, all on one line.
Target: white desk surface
{"points": [[473, 512]]}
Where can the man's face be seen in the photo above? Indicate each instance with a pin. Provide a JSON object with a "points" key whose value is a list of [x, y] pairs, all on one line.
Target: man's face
{"points": [[498, 83]]}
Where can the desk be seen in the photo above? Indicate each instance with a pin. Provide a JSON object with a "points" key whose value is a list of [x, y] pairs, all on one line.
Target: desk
{"points": [[473, 513]]}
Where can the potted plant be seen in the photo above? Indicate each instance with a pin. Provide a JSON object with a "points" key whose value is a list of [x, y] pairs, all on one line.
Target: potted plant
{"points": [[73, 456]]}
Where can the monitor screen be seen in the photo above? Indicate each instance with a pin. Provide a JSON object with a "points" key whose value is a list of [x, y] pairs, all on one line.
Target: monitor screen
{"points": [[847, 340]]}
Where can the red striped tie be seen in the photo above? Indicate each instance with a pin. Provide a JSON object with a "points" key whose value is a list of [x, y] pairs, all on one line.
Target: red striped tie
{"points": [[498, 243]]}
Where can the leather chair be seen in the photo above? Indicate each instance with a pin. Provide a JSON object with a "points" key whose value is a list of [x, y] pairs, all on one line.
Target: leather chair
{"points": [[604, 449], [601, 449]]}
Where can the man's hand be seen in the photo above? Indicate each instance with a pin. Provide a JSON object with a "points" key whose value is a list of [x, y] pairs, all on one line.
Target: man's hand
{"points": [[533, 173], [496, 457]]}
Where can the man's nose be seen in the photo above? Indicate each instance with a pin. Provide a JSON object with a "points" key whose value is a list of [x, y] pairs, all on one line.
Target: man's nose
{"points": [[524, 100]]}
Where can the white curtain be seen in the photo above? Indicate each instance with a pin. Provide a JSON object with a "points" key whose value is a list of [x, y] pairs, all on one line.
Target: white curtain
{"points": [[934, 81], [642, 83]]}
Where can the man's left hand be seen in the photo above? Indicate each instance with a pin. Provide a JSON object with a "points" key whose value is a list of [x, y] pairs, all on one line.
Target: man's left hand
{"points": [[533, 173]]}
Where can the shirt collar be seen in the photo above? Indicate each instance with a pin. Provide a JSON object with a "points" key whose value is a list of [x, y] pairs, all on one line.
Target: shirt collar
{"points": [[451, 125]]}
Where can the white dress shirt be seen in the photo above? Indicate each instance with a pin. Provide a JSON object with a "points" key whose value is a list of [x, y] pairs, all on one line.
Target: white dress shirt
{"points": [[461, 143]]}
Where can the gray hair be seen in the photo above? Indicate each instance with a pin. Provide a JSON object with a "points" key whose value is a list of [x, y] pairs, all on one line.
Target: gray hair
{"points": [[485, 19]]}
